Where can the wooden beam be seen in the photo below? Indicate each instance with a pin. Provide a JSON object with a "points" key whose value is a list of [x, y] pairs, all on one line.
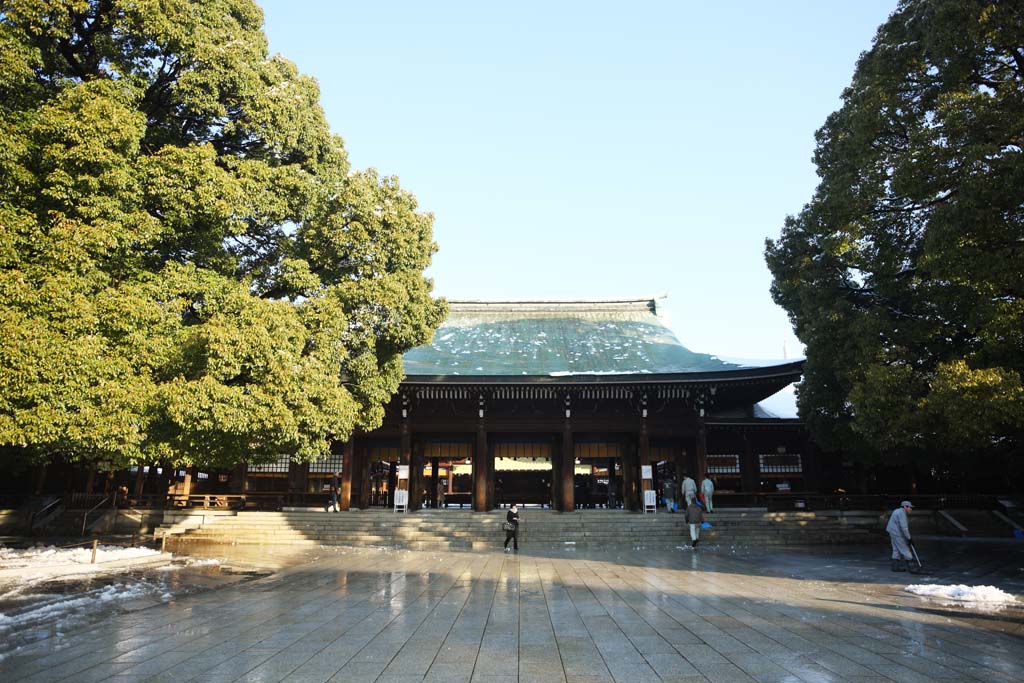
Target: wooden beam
{"points": [[568, 473], [346, 475]]}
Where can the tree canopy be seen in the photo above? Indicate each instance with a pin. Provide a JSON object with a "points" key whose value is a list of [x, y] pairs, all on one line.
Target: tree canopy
{"points": [[903, 274], [189, 269]]}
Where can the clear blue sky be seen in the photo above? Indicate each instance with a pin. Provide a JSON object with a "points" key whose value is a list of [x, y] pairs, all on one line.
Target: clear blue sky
{"points": [[593, 150]]}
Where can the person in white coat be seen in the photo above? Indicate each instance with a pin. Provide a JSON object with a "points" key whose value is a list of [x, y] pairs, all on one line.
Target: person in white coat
{"points": [[689, 490], [707, 487], [898, 529]]}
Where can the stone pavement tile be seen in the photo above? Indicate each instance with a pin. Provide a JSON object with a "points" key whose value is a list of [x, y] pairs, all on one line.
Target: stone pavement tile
{"points": [[378, 652], [727, 645], [277, 668], [842, 665], [540, 677], [701, 655], [439, 670], [358, 672], [760, 668], [411, 662], [547, 652], [588, 668], [447, 678], [725, 673], [670, 665], [570, 678], [458, 652], [98, 672], [163, 662], [614, 645], [636, 676], [680, 636], [497, 678], [651, 644], [239, 664]]}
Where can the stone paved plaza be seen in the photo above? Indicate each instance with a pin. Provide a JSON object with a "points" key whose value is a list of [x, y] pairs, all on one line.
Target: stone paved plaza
{"points": [[627, 616]]}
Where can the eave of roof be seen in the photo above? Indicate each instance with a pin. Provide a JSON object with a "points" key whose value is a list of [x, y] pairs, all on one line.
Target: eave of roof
{"points": [[791, 370]]}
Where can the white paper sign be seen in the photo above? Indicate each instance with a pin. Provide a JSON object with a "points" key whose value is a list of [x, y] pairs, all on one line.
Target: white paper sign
{"points": [[403, 471], [650, 499], [645, 472], [401, 498]]}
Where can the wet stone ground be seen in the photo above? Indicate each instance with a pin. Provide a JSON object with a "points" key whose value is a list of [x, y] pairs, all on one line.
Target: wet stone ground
{"points": [[713, 615]]}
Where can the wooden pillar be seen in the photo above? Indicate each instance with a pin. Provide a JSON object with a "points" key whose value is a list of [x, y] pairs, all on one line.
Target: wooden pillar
{"points": [[404, 458], [702, 451], [480, 468], [416, 477], [90, 481], [750, 476], [140, 481], [362, 454], [492, 499], [630, 476], [568, 473], [679, 458], [644, 443], [186, 484], [345, 501], [556, 477], [434, 465], [237, 480]]}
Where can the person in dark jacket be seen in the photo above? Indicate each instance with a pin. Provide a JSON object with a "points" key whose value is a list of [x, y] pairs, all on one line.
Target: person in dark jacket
{"points": [[334, 494], [694, 517], [512, 519]]}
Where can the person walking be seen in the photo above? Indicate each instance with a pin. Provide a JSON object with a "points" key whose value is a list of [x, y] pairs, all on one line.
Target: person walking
{"points": [[511, 527], [334, 494], [441, 491], [898, 529], [689, 490], [707, 488], [694, 517], [668, 492]]}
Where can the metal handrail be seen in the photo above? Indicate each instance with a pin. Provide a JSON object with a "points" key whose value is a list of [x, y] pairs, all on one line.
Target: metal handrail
{"points": [[85, 517], [38, 513]]}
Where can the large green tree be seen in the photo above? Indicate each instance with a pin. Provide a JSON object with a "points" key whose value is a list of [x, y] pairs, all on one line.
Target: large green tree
{"points": [[189, 269], [904, 274]]}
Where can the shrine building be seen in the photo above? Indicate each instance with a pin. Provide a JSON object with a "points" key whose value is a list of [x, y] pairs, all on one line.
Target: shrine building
{"points": [[560, 404]]}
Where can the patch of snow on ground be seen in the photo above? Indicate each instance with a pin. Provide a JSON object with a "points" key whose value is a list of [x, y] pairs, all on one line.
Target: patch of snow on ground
{"points": [[963, 593], [43, 556]]}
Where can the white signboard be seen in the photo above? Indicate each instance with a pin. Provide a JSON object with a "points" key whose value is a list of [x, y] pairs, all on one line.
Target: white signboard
{"points": [[402, 500], [645, 472], [403, 471], [650, 501]]}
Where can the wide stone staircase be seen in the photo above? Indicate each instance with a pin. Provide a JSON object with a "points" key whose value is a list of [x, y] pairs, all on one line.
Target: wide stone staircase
{"points": [[464, 530]]}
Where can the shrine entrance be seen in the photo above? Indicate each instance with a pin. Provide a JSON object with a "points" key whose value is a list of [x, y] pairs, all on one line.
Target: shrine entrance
{"points": [[382, 475], [598, 476], [523, 473], [448, 474]]}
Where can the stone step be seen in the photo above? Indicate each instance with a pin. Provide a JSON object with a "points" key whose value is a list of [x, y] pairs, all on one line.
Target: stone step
{"points": [[437, 530]]}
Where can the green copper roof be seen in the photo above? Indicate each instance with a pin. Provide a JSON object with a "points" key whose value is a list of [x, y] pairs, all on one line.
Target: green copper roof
{"points": [[554, 339]]}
